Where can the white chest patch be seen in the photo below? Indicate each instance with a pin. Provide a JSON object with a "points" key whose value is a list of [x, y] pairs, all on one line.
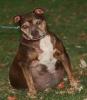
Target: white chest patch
{"points": [[46, 57]]}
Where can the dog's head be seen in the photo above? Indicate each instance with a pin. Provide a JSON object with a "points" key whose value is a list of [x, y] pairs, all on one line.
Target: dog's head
{"points": [[33, 25]]}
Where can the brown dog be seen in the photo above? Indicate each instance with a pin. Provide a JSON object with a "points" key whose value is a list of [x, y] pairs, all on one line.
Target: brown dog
{"points": [[41, 60]]}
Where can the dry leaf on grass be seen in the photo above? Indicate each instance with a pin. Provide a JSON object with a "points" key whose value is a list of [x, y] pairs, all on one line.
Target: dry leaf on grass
{"points": [[2, 65], [61, 85], [61, 92], [78, 46], [65, 79], [11, 98], [83, 63]]}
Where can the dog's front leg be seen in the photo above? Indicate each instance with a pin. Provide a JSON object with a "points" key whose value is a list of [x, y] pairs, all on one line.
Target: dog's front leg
{"points": [[60, 54], [29, 80], [68, 68]]}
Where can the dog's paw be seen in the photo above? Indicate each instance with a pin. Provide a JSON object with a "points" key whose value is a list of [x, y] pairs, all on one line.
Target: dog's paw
{"points": [[76, 86], [73, 90], [32, 94]]}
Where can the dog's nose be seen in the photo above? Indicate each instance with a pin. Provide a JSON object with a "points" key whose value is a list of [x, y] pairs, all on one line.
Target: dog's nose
{"points": [[35, 33]]}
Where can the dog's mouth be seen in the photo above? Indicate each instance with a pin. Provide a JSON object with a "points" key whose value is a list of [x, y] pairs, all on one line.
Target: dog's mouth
{"points": [[26, 36], [33, 36]]}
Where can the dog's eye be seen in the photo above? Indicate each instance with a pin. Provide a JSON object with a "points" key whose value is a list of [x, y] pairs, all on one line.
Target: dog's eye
{"points": [[25, 26]]}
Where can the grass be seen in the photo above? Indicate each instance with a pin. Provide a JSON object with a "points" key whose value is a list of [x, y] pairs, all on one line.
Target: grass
{"points": [[66, 18]]}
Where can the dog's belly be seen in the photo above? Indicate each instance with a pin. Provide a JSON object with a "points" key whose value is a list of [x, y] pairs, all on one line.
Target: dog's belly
{"points": [[44, 78], [44, 70]]}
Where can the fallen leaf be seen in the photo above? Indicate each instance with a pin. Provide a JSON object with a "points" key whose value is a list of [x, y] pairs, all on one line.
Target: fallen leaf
{"points": [[11, 98], [83, 63], [80, 88], [78, 46], [65, 79], [61, 92], [83, 36], [85, 99], [2, 65], [61, 85]]}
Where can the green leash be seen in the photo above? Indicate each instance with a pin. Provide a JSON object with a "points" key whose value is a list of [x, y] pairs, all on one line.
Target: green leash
{"points": [[9, 27]]}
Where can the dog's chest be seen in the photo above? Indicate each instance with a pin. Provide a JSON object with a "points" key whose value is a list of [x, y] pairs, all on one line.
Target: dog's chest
{"points": [[46, 57]]}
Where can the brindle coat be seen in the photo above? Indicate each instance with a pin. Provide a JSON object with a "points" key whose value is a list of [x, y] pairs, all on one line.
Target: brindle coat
{"points": [[41, 60]]}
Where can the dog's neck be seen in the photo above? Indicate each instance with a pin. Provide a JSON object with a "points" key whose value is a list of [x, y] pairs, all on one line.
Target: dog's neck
{"points": [[26, 42]]}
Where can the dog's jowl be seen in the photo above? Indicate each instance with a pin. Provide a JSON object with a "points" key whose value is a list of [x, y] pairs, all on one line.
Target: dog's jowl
{"points": [[41, 60]]}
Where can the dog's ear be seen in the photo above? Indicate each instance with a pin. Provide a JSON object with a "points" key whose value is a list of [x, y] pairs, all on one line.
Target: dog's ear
{"points": [[17, 19], [39, 11]]}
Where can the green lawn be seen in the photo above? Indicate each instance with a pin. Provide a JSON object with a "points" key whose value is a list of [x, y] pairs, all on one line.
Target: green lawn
{"points": [[67, 19]]}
